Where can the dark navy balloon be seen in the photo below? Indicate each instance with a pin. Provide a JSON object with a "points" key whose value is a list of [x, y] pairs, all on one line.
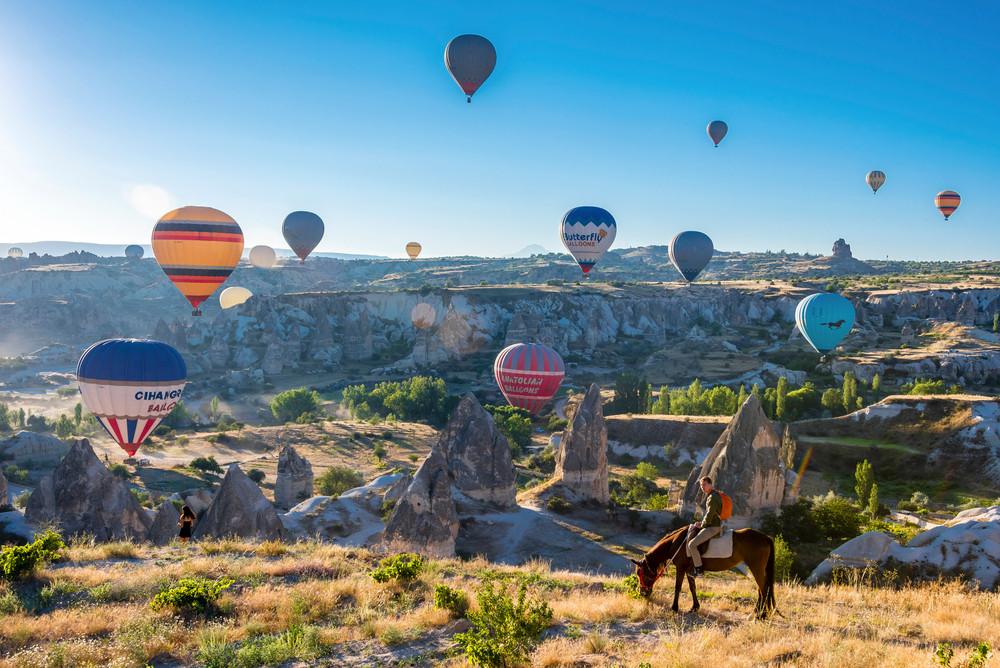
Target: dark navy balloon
{"points": [[134, 252], [130, 385], [717, 131], [303, 231], [691, 252], [470, 60], [824, 320]]}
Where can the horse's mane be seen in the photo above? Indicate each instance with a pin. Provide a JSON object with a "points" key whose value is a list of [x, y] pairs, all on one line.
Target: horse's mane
{"points": [[655, 555]]}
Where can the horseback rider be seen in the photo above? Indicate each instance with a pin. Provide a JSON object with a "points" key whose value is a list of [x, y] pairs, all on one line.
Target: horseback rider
{"points": [[709, 527]]}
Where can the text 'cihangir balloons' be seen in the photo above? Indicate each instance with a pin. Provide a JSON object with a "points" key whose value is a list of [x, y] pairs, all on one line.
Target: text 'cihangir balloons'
{"points": [[197, 247], [824, 320], [134, 252], [413, 249], [233, 296], [875, 180], [130, 385], [303, 231], [587, 232], [691, 252], [262, 258], [529, 374], [470, 60], [717, 131], [947, 201]]}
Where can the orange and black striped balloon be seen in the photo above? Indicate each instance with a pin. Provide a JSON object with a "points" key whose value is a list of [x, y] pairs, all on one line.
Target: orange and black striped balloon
{"points": [[197, 247], [947, 201]]}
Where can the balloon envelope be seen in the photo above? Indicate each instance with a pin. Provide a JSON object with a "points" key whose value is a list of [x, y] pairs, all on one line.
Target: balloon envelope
{"points": [[130, 385], [413, 249], [824, 320], [262, 258], [422, 315], [134, 252], [197, 247], [587, 232], [303, 231], [14, 251], [947, 201], [528, 374], [691, 252], [470, 60], [717, 131], [234, 296], [875, 179]]}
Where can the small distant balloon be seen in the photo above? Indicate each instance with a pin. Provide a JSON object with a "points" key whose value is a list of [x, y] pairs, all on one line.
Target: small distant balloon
{"points": [[15, 252], [717, 131], [262, 258], [303, 231], [587, 232], [470, 60], [134, 252], [130, 385], [234, 296], [422, 315], [413, 249], [947, 201], [875, 180], [824, 320], [529, 374], [691, 252]]}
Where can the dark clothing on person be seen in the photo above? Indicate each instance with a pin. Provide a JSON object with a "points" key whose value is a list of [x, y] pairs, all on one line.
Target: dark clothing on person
{"points": [[713, 508], [186, 524]]}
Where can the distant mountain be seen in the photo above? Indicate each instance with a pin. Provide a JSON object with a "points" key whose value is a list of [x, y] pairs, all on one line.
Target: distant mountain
{"points": [[56, 248], [529, 250]]}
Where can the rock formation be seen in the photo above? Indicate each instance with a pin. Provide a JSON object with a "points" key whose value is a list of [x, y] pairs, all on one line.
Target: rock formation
{"points": [[294, 480], [29, 445], [240, 509], [81, 496], [842, 250], [274, 358], [425, 519], [164, 525], [477, 456], [745, 464], [218, 353], [198, 500], [582, 458], [3, 488]]}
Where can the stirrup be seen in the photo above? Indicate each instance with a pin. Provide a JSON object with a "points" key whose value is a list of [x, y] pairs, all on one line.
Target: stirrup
{"points": [[696, 572]]}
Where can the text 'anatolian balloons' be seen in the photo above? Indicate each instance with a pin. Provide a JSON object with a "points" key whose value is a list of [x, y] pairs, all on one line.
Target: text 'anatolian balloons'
{"points": [[824, 320], [130, 385], [529, 374], [587, 232]]}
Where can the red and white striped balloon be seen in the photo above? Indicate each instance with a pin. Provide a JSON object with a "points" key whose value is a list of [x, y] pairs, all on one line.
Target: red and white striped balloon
{"points": [[529, 374]]}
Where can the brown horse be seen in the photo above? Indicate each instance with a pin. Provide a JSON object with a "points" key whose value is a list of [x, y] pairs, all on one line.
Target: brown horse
{"points": [[750, 547]]}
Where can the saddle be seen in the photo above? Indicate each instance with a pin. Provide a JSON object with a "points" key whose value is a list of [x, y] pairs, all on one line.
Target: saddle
{"points": [[721, 546]]}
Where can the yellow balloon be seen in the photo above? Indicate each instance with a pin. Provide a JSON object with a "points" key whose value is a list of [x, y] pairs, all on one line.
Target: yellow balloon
{"points": [[234, 296], [413, 249]]}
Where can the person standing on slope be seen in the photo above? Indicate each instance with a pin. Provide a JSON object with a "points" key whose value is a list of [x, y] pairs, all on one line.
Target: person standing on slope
{"points": [[709, 527]]}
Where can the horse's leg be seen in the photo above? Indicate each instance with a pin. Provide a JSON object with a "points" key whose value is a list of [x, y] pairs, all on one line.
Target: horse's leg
{"points": [[758, 570], [694, 594], [678, 583]]}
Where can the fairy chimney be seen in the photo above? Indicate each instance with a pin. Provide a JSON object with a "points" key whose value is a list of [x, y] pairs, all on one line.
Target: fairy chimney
{"points": [[424, 519], [582, 458], [294, 480]]}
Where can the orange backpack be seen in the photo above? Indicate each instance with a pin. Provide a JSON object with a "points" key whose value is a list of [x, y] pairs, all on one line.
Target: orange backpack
{"points": [[727, 506]]}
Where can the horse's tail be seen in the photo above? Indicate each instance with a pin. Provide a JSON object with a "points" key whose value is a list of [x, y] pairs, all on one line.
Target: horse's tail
{"points": [[768, 596]]}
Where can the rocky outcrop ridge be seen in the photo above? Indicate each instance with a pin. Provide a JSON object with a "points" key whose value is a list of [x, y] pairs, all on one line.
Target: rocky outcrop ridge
{"points": [[425, 519], [164, 526], [582, 457], [29, 445], [294, 479], [240, 509]]}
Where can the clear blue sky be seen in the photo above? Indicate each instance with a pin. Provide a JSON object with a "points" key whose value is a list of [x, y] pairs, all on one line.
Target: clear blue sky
{"points": [[346, 109]]}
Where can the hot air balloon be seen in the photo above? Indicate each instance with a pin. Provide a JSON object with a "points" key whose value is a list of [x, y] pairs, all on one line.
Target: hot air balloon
{"points": [[587, 232], [130, 385], [262, 258], [197, 247], [824, 320], [15, 252], [717, 131], [528, 374], [947, 201], [234, 296], [134, 252], [691, 252], [413, 249], [470, 60], [875, 179], [303, 231], [422, 316]]}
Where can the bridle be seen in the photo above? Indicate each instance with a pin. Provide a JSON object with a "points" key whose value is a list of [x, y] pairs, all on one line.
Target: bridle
{"points": [[647, 576]]}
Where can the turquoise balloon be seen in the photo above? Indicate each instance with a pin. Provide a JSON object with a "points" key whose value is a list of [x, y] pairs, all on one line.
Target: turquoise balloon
{"points": [[824, 319]]}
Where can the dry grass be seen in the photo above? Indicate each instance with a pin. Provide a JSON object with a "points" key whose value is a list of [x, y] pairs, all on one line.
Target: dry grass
{"points": [[101, 614]]}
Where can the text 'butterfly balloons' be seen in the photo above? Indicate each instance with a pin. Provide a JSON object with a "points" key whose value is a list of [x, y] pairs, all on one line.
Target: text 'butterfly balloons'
{"points": [[587, 232]]}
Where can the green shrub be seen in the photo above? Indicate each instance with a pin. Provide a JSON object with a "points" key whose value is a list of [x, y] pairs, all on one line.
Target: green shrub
{"points": [[338, 479], [784, 560], [18, 560], [293, 404], [120, 471], [657, 502], [206, 464], [404, 567], [454, 601], [21, 500], [379, 451], [838, 519], [191, 594], [15, 474], [504, 631], [796, 524], [647, 470], [256, 475], [555, 424], [557, 504]]}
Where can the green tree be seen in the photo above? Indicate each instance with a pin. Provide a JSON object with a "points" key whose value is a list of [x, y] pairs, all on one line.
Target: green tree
{"points": [[996, 322], [215, 408], [64, 427], [832, 401], [77, 415], [514, 423], [781, 398], [743, 396], [647, 470], [290, 405], [873, 502], [338, 479], [876, 383], [864, 479], [21, 420], [178, 418], [631, 394], [849, 392], [662, 404], [4, 417]]}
